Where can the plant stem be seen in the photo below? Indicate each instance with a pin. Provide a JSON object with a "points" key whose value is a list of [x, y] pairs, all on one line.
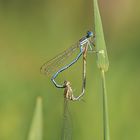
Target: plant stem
{"points": [[105, 108]]}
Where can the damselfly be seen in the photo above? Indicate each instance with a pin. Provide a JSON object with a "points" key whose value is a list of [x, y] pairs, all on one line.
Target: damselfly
{"points": [[54, 65]]}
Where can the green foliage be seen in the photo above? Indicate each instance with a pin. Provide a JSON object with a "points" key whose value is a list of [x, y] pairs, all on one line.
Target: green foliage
{"points": [[103, 64], [36, 129], [32, 32], [102, 57]]}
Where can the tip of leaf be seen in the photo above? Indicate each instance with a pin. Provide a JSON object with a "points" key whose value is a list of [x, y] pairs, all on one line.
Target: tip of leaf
{"points": [[102, 57], [36, 127]]}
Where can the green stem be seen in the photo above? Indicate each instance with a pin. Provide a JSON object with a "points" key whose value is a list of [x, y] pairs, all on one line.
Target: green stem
{"points": [[105, 108]]}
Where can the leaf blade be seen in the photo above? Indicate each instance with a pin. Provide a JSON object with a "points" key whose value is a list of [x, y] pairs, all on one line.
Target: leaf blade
{"points": [[102, 57], [36, 128]]}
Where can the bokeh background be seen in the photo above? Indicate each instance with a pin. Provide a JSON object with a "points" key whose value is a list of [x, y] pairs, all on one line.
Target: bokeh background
{"points": [[32, 32]]}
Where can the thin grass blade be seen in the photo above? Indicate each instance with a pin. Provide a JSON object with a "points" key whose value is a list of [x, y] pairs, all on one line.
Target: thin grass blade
{"points": [[100, 45], [103, 64], [36, 128]]}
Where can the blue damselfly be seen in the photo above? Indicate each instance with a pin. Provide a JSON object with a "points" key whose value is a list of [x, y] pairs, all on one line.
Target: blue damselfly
{"points": [[54, 67]]}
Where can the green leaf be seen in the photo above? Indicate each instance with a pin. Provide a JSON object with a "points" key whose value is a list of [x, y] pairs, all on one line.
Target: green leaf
{"points": [[102, 58], [103, 64], [36, 128]]}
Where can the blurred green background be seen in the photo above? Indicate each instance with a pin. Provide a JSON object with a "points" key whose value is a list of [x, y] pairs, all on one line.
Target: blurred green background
{"points": [[32, 32]]}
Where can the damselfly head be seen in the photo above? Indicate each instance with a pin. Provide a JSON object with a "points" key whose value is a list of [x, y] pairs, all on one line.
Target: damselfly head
{"points": [[89, 34]]}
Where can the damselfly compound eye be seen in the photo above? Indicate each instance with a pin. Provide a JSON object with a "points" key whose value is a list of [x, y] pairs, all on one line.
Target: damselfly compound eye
{"points": [[89, 34]]}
